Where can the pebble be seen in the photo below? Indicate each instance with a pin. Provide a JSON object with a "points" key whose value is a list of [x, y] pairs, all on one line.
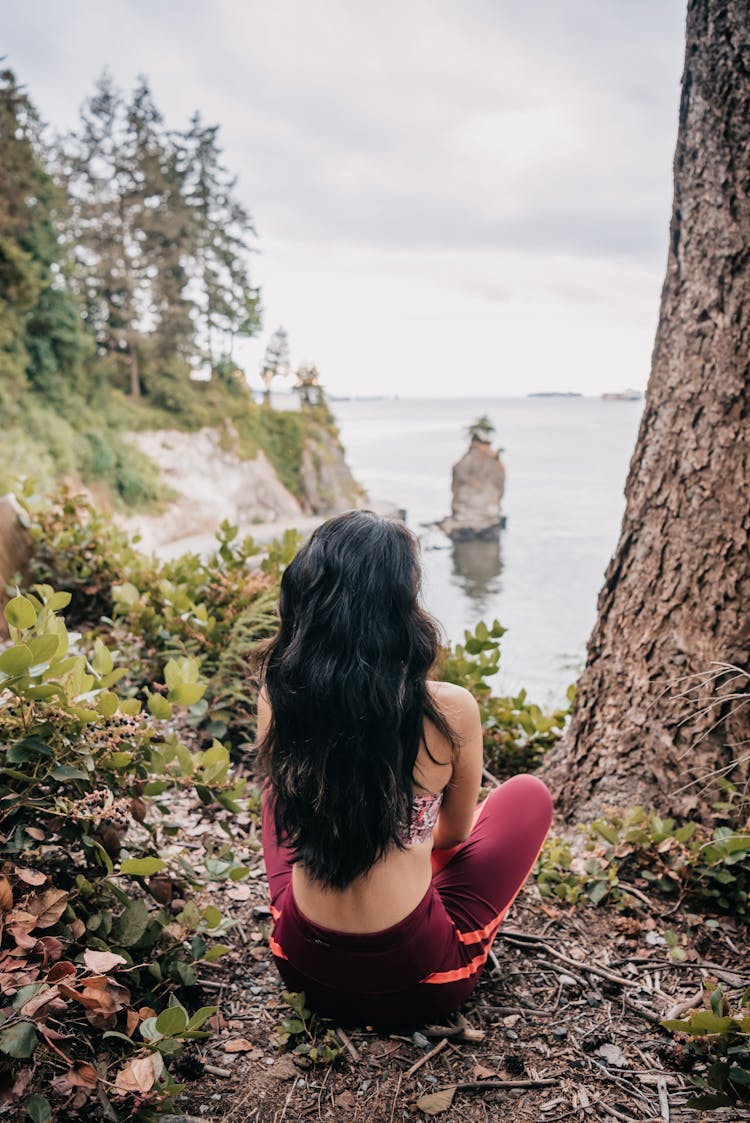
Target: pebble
{"points": [[568, 981], [421, 1041], [560, 1032], [511, 1035]]}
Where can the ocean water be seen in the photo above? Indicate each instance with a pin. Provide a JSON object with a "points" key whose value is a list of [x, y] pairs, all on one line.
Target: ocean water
{"points": [[566, 463]]}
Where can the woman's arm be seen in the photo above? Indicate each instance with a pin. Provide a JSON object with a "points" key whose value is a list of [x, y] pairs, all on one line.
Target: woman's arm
{"points": [[264, 714], [460, 798]]}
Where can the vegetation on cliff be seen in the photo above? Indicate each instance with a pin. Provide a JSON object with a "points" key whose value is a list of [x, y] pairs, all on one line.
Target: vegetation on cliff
{"points": [[124, 273]]}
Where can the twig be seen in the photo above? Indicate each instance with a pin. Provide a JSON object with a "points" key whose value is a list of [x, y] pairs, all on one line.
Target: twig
{"points": [[684, 1007], [457, 1033], [346, 1041], [492, 779], [644, 1012], [471, 1085], [395, 1097], [635, 892], [661, 1085], [614, 1112], [591, 968], [427, 1057], [215, 1071]]}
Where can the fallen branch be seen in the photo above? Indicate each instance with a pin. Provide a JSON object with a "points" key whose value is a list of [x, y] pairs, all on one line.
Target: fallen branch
{"points": [[216, 1071], [591, 968], [472, 1085], [427, 1057], [349, 1045], [684, 1007]]}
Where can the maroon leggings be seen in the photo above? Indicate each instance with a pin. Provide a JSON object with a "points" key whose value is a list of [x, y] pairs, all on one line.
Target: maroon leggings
{"points": [[422, 968]]}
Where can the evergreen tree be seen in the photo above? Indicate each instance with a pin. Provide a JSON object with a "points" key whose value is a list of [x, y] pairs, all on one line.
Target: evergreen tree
{"points": [[41, 339], [275, 361], [307, 385], [227, 300]]}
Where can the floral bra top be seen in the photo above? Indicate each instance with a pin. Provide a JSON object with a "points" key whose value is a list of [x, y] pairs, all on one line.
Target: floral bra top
{"points": [[424, 815]]}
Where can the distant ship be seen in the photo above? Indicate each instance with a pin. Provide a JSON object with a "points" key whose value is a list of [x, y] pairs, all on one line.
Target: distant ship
{"points": [[555, 394], [623, 396]]}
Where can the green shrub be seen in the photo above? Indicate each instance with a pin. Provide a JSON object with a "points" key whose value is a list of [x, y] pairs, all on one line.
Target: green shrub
{"points": [[717, 1043], [711, 864], [517, 733], [91, 971]]}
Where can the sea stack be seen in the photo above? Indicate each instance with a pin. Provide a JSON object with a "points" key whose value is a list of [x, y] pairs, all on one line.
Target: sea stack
{"points": [[478, 486]]}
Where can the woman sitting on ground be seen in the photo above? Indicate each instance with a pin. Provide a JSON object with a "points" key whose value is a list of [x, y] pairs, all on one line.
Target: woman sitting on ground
{"points": [[387, 882]]}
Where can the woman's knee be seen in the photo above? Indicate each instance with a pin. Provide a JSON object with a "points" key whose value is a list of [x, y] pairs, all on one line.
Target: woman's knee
{"points": [[528, 796]]}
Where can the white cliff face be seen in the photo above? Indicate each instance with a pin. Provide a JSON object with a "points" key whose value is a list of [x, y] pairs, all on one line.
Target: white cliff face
{"points": [[327, 484], [212, 483], [478, 487]]}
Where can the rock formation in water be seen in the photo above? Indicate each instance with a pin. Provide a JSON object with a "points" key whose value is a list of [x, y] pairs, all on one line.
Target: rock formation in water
{"points": [[478, 486]]}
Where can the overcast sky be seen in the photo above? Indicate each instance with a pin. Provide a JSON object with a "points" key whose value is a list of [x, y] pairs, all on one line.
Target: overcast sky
{"points": [[452, 198]]}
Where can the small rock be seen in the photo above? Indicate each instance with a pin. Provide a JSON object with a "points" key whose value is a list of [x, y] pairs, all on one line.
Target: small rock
{"points": [[511, 1035], [613, 1054], [261, 912], [568, 981], [560, 1032], [421, 1041]]}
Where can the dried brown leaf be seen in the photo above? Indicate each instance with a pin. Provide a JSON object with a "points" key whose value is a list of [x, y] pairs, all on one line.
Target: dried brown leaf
{"points": [[101, 962], [6, 894], [37, 1001], [434, 1103], [284, 1069], [61, 970], [48, 907], [140, 1074], [29, 876], [238, 1045]]}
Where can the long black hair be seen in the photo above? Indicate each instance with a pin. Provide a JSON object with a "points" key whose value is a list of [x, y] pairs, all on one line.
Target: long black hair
{"points": [[346, 679]]}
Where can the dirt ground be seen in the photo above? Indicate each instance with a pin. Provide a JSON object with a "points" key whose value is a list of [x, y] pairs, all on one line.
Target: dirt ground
{"points": [[564, 1025]]}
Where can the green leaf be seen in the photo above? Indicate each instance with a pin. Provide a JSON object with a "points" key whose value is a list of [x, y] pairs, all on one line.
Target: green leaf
{"points": [[159, 707], [186, 693], [216, 952], [171, 1021], [107, 703], [20, 613], [126, 594], [212, 916], [68, 772], [39, 1109], [43, 648], [155, 787], [133, 923], [142, 867], [27, 749], [102, 661], [58, 601], [201, 1016], [16, 659], [18, 1040]]}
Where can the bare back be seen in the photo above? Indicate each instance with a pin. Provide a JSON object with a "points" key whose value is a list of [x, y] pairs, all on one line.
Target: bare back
{"points": [[395, 885]]}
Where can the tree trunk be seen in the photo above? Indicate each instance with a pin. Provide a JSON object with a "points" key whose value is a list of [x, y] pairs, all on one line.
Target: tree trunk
{"points": [[650, 717]]}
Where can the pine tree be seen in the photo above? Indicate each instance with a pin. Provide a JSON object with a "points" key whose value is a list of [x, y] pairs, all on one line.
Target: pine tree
{"points": [[227, 300], [42, 344], [275, 361]]}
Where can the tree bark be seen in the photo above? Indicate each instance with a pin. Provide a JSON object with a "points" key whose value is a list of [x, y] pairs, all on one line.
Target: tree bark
{"points": [[650, 718]]}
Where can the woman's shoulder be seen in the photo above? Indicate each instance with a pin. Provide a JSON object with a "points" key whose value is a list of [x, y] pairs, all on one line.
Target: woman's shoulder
{"points": [[455, 702]]}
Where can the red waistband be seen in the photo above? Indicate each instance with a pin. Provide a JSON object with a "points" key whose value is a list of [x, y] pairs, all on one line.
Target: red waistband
{"points": [[382, 940]]}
